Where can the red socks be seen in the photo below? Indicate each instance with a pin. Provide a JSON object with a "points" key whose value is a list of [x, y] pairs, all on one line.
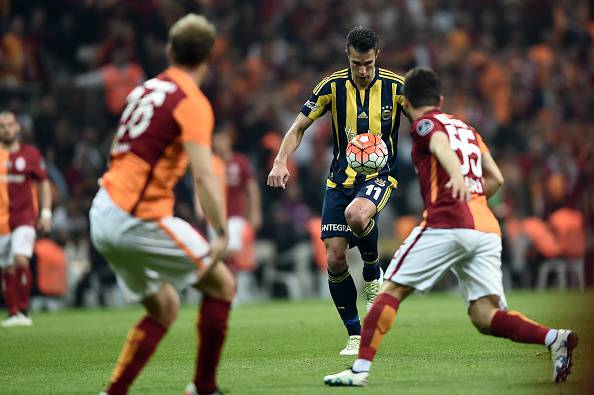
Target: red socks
{"points": [[16, 288], [24, 280], [212, 330], [377, 323], [140, 345], [145, 336], [10, 291], [514, 326]]}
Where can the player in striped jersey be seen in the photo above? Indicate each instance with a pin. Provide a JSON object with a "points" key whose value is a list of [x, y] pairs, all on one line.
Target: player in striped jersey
{"points": [[362, 98], [459, 233]]}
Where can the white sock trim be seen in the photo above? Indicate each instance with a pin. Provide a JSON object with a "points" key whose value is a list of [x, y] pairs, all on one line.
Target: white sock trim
{"points": [[551, 337], [361, 365]]}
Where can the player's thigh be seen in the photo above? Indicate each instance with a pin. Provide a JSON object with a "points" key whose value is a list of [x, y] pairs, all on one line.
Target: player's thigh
{"points": [[424, 258], [377, 191], [334, 223], [22, 241], [146, 254], [481, 275]]}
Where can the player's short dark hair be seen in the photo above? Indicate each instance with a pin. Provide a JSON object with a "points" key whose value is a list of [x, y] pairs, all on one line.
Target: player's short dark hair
{"points": [[422, 87], [191, 38], [362, 39]]}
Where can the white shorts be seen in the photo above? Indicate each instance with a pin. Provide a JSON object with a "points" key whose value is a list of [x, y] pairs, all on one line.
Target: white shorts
{"points": [[146, 254], [428, 253], [18, 242], [237, 228]]}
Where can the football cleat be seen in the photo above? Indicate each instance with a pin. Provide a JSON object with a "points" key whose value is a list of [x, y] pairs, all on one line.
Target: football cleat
{"points": [[371, 290], [347, 378], [561, 354], [18, 319], [191, 390], [352, 346]]}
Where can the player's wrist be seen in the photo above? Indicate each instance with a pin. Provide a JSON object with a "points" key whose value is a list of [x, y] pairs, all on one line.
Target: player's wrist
{"points": [[221, 232], [46, 213], [278, 161]]}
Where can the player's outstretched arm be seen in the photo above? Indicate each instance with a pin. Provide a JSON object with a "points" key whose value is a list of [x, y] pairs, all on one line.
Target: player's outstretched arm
{"points": [[439, 145], [492, 177], [209, 193], [279, 175]]}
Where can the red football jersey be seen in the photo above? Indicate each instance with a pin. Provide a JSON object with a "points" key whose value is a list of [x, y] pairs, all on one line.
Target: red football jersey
{"points": [[148, 156], [441, 210], [238, 172], [18, 195]]}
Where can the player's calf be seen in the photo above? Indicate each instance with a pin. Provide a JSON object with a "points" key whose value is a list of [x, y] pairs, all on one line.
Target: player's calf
{"points": [[218, 287]]}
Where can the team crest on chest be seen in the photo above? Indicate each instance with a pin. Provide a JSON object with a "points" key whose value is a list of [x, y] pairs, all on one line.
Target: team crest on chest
{"points": [[424, 127], [380, 182], [386, 113], [19, 163]]}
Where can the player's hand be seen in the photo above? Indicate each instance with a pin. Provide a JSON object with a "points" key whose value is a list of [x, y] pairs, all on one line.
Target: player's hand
{"points": [[459, 189], [218, 246], [279, 175], [44, 225]]}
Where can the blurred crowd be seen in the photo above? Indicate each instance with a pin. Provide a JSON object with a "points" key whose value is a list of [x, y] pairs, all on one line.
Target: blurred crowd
{"points": [[521, 71]]}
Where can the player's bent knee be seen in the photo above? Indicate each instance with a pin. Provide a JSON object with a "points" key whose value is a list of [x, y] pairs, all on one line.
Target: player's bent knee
{"points": [[336, 260], [481, 312], [356, 219], [218, 283], [481, 325], [481, 319], [398, 291], [163, 306]]}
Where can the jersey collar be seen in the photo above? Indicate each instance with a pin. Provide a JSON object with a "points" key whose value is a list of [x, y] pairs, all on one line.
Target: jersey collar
{"points": [[376, 75]]}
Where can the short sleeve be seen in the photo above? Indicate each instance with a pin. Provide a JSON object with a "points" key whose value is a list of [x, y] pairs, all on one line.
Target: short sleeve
{"points": [[482, 146], [320, 100], [423, 129], [38, 167], [196, 120]]}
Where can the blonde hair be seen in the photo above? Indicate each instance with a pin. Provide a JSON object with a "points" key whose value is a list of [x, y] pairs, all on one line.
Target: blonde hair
{"points": [[191, 38]]}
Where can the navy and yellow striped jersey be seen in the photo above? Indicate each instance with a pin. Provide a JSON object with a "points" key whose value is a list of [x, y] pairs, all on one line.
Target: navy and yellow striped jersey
{"points": [[375, 109]]}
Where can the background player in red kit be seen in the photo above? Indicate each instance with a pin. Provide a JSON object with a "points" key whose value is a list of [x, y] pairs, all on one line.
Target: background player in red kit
{"points": [[244, 212], [166, 124], [22, 174], [458, 233]]}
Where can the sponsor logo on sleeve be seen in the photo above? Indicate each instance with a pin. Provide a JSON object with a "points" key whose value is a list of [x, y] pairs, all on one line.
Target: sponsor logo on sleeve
{"points": [[311, 105], [424, 127]]}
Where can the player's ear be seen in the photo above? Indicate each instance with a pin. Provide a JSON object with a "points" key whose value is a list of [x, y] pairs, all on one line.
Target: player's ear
{"points": [[440, 100], [377, 51]]}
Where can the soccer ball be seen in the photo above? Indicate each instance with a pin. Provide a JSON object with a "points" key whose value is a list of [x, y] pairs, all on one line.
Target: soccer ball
{"points": [[367, 153]]}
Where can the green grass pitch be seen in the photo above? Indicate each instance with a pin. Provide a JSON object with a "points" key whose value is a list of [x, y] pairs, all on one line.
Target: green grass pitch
{"points": [[286, 348]]}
